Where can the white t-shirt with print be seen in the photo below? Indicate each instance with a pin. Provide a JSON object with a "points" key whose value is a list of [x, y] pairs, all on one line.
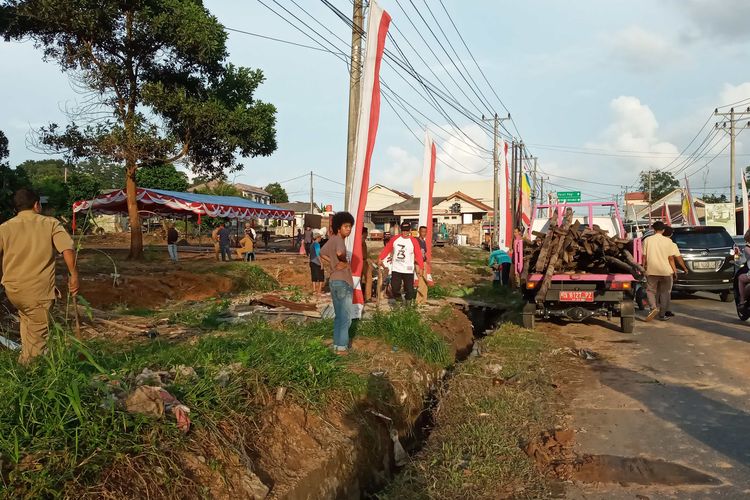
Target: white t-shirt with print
{"points": [[403, 255]]}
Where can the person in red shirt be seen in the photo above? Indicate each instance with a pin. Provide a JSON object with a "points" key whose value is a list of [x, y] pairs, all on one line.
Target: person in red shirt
{"points": [[406, 258]]}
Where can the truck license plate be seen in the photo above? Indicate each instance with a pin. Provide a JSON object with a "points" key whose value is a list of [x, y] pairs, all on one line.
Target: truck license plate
{"points": [[576, 296]]}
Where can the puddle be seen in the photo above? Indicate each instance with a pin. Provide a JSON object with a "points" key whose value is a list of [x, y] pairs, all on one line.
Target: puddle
{"points": [[614, 469]]}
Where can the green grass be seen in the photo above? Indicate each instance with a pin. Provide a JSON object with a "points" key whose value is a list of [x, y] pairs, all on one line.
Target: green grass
{"points": [[474, 451], [247, 277], [204, 314], [59, 424], [405, 329]]}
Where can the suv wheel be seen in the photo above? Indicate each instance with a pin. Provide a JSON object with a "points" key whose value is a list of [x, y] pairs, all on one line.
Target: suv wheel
{"points": [[725, 296]]}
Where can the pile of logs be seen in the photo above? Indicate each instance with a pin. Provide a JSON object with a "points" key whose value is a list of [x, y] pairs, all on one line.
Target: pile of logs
{"points": [[570, 247]]}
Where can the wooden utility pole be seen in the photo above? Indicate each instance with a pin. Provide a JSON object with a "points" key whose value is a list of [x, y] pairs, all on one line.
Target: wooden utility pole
{"points": [[514, 181], [650, 199], [734, 117], [355, 74], [312, 203]]}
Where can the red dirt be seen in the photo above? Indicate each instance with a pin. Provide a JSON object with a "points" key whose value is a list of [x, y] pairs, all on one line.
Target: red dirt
{"points": [[154, 289], [457, 330]]}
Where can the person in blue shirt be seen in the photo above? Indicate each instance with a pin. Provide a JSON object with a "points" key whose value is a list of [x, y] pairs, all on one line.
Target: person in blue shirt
{"points": [[500, 263]]}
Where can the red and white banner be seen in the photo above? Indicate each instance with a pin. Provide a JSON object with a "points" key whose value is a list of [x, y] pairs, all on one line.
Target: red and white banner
{"points": [[666, 215], [505, 235], [745, 221], [367, 130], [688, 207], [425, 202]]}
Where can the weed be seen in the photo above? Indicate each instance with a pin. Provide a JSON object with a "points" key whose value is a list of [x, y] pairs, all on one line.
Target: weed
{"points": [[248, 277], [438, 292], [202, 314], [404, 329], [474, 452], [134, 311]]}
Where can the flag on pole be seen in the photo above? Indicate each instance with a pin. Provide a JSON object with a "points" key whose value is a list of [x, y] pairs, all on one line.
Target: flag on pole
{"points": [[425, 202], [367, 130], [688, 207], [666, 215], [745, 207], [525, 200], [505, 235]]}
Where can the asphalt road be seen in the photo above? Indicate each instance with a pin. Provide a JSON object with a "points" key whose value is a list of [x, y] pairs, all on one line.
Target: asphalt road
{"points": [[675, 391]]}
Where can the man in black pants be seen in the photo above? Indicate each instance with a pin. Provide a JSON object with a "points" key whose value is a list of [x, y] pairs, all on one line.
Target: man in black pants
{"points": [[406, 257]]}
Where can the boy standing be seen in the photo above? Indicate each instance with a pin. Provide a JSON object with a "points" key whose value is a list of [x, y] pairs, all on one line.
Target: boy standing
{"points": [[333, 256], [316, 269]]}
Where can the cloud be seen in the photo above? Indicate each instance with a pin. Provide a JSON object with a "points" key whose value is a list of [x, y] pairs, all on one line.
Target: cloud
{"points": [[725, 20], [734, 93], [401, 169], [643, 51]]}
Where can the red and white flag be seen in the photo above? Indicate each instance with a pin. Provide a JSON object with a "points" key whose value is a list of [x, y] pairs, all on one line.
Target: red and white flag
{"points": [[425, 202], [505, 235], [745, 221], [688, 207], [666, 215], [367, 130]]}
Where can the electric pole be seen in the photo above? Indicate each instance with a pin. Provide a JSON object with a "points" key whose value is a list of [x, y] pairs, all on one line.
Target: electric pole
{"points": [[734, 117], [355, 73], [312, 204], [495, 175]]}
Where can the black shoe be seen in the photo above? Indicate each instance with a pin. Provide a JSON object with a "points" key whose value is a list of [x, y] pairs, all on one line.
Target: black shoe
{"points": [[669, 314]]}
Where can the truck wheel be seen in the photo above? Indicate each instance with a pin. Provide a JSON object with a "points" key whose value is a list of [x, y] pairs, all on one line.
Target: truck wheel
{"points": [[627, 317], [528, 316], [725, 296]]}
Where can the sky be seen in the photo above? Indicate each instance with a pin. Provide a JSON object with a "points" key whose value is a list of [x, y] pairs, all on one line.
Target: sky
{"points": [[598, 90]]}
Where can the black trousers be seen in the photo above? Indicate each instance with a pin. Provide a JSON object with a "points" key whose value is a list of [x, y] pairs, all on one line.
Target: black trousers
{"points": [[408, 281]]}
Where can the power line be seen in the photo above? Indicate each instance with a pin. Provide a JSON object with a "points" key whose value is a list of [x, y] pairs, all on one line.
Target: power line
{"points": [[276, 39]]}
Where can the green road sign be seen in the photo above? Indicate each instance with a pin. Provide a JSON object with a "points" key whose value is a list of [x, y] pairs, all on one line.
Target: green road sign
{"points": [[569, 196]]}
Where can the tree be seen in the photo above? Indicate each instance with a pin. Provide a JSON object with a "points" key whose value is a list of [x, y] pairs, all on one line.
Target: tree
{"points": [[164, 176], [40, 170], [278, 193], [158, 68], [10, 181], [219, 188], [712, 198], [108, 175], [662, 183]]}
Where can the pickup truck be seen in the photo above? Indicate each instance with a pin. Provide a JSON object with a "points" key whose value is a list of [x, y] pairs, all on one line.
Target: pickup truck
{"points": [[577, 296]]}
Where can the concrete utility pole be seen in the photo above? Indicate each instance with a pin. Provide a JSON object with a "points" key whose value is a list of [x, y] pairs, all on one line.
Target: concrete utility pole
{"points": [[495, 174], [355, 74], [534, 190], [734, 117], [312, 203]]}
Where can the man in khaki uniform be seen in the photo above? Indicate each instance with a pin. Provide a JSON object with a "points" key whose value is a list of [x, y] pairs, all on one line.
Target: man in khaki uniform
{"points": [[28, 243]]}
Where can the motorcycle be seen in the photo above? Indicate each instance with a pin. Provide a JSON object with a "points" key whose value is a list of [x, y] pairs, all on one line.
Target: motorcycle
{"points": [[743, 310]]}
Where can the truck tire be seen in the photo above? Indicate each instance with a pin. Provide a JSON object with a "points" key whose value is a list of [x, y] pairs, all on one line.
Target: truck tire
{"points": [[627, 317], [528, 316]]}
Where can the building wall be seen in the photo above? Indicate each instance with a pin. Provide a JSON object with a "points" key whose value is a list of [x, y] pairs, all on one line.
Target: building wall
{"points": [[379, 197], [480, 190], [466, 207]]}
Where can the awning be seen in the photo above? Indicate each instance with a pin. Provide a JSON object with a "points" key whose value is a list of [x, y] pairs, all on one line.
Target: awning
{"points": [[176, 203]]}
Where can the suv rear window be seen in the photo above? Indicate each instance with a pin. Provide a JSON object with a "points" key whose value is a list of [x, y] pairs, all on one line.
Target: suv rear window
{"points": [[703, 239]]}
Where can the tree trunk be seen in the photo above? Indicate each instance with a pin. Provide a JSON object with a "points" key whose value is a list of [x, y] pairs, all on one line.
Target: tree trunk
{"points": [[136, 235]]}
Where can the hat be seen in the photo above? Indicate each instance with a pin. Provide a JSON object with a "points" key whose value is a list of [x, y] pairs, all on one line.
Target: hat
{"points": [[405, 226]]}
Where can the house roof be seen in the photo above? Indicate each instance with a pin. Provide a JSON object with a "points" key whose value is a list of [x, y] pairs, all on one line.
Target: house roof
{"points": [[405, 196], [636, 196], [298, 207], [413, 203]]}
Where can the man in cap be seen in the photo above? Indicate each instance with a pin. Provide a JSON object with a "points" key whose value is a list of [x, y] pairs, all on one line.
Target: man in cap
{"points": [[406, 257]]}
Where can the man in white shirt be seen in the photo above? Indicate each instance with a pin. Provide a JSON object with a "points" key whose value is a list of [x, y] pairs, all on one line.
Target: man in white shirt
{"points": [[657, 250], [406, 256]]}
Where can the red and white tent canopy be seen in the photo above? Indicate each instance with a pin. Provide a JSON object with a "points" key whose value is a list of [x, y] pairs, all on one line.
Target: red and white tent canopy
{"points": [[176, 203]]}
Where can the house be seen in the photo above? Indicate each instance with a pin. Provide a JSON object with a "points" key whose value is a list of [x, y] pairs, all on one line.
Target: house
{"points": [[460, 213], [252, 193], [300, 209], [480, 190], [379, 199], [669, 204], [635, 202]]}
